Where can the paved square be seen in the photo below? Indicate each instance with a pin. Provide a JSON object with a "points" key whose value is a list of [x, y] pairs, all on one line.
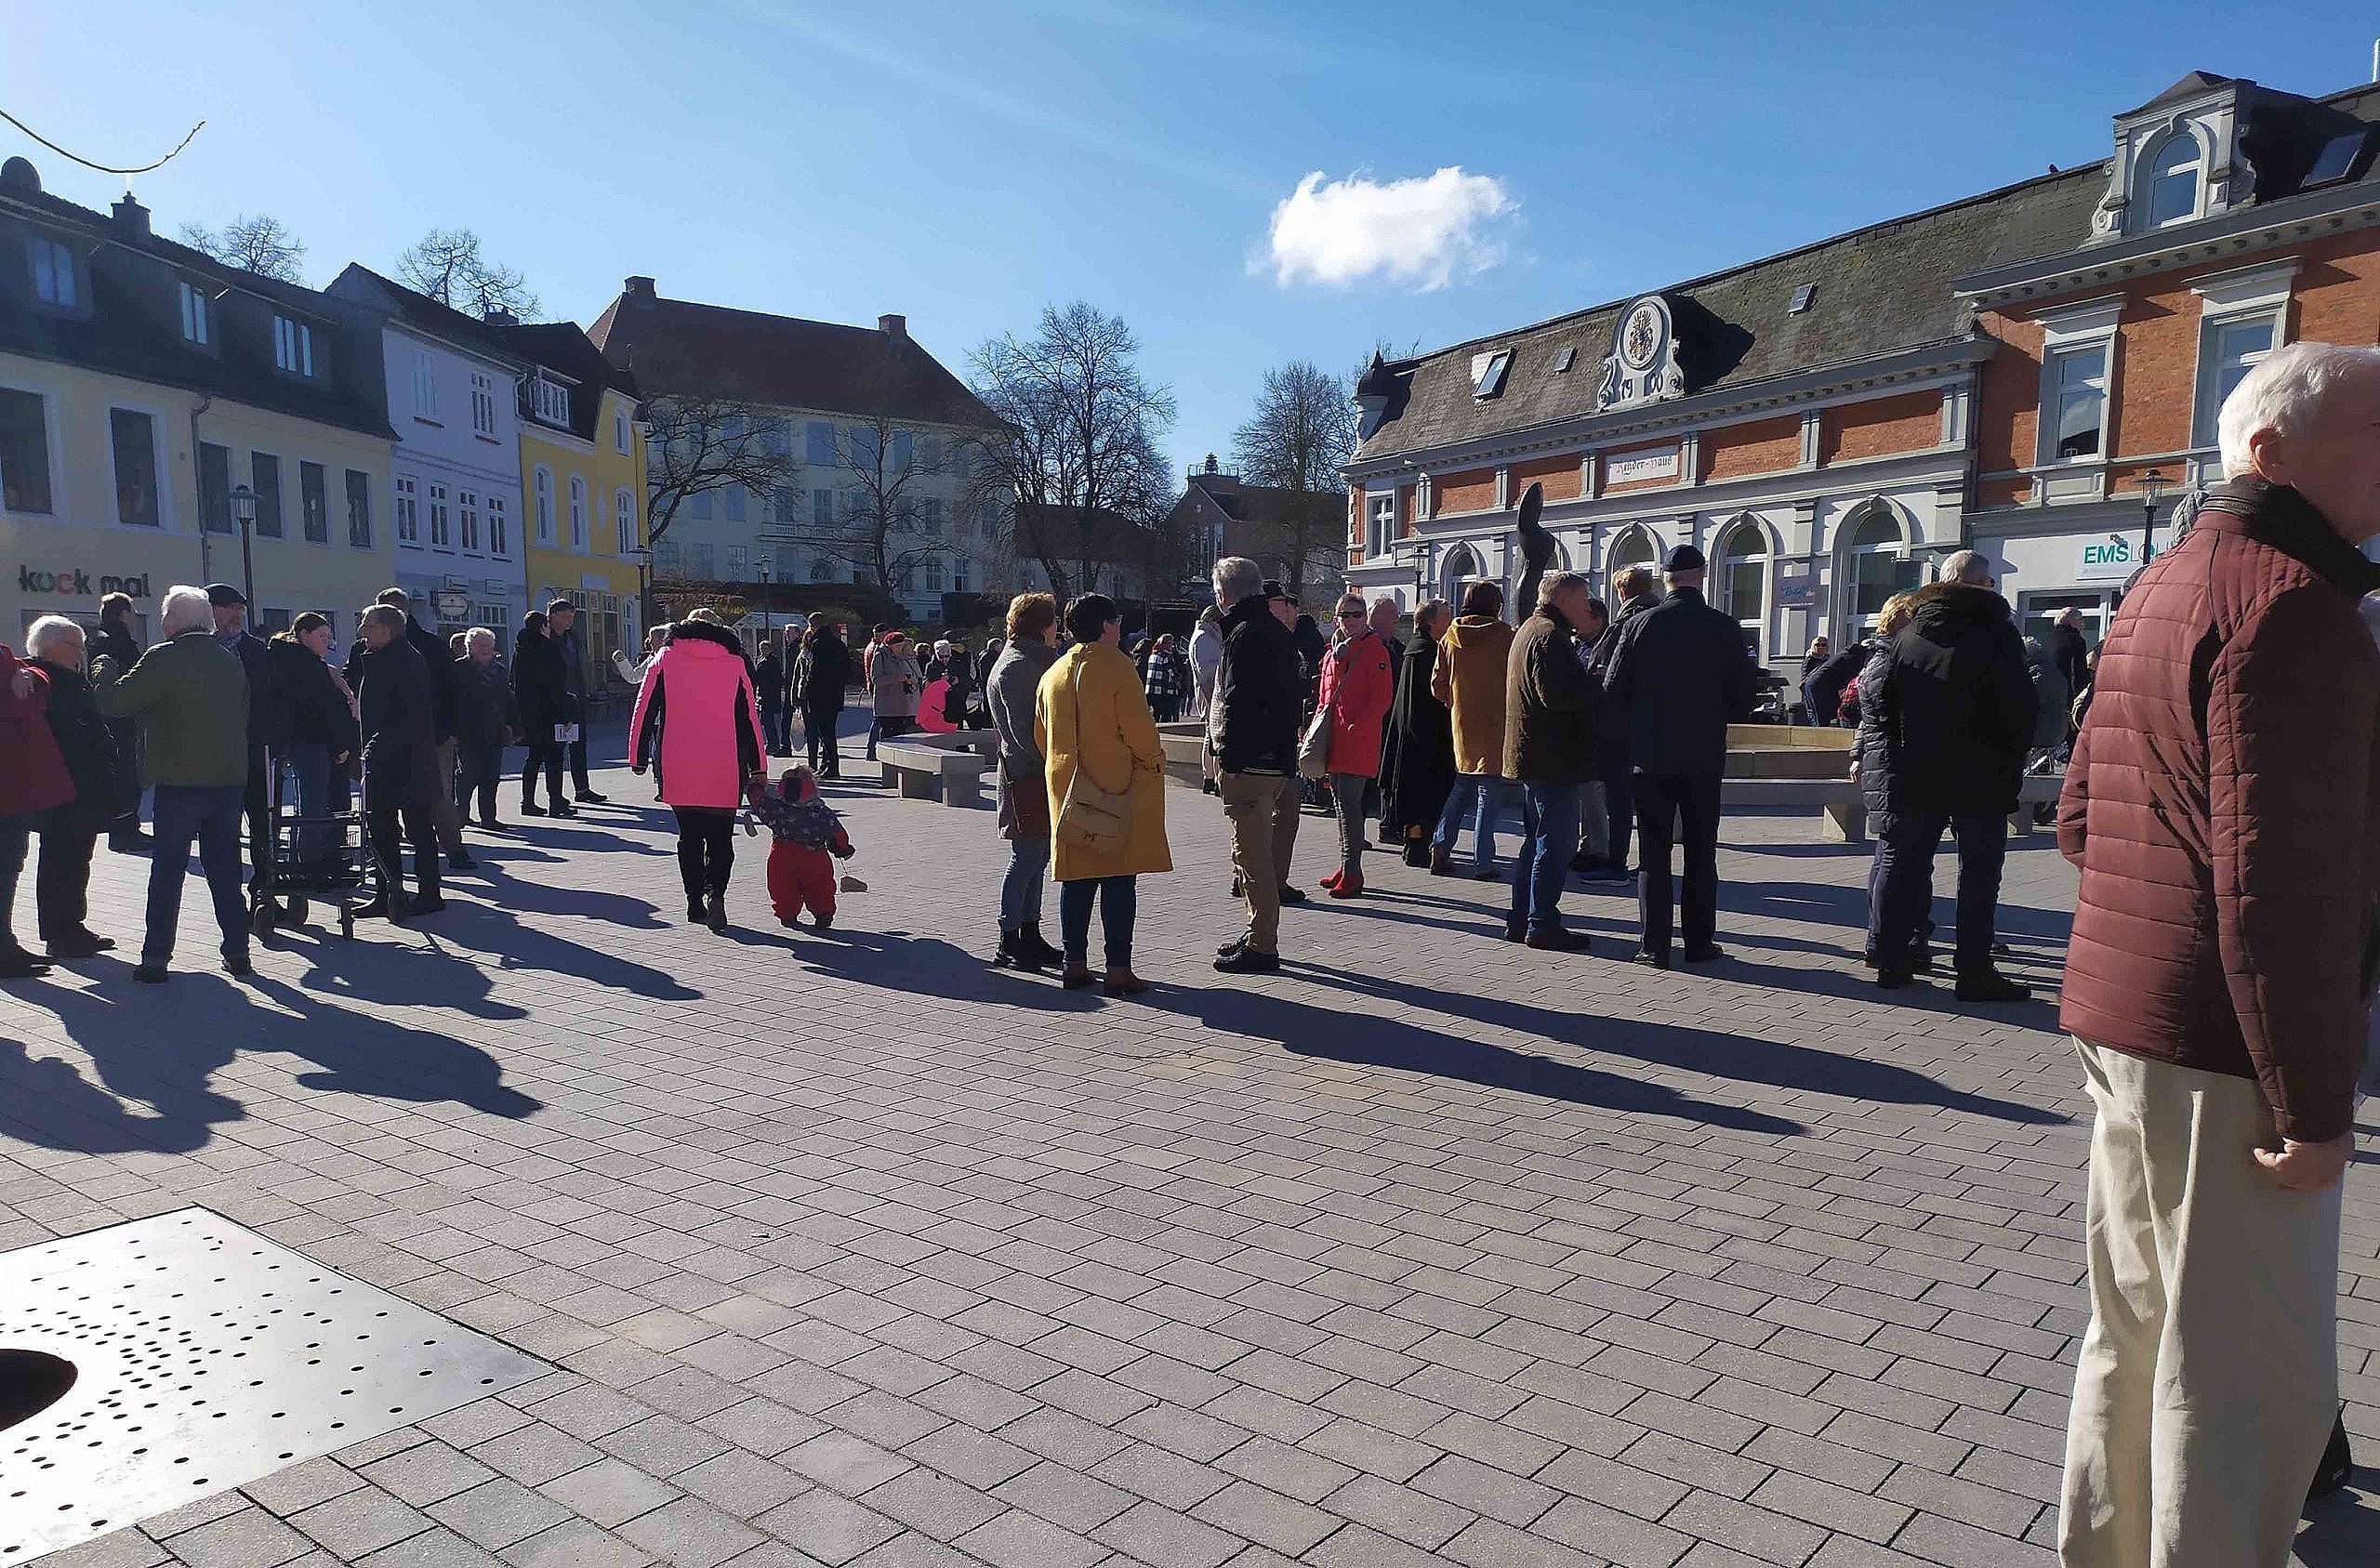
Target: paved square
{"points": [[853, 1250]]}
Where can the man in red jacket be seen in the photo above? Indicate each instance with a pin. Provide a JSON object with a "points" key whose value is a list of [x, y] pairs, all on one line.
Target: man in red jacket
{"points": [[2221, 807], [32, 779]]}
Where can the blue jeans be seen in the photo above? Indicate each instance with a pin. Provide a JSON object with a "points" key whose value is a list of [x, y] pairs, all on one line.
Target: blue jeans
{"points": [[1028, 866], [1549, 837], [1119, 900], [1485, 795], [208, 815], [15, 833]]}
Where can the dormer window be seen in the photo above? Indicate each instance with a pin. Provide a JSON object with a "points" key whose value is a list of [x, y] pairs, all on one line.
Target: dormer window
{"points": [[197, 313], [2173, 179], [554, 401], [54, 282], [1488, 373], [293, 345]]}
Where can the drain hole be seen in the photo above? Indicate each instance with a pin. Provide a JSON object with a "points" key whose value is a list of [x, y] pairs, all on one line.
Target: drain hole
{"points": [[30, 1381]]}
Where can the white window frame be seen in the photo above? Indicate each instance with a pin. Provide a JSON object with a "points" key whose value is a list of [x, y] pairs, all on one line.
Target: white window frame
{"points": [[620, 430], [405, 505], [1856, 624], [541, 484], [441, 534], [157, 471], [53, 258], [467, 519], [2080, 328], [293, 345], [499, 533], [552, 401], [1734, 528], [2243, 297], [578, 513], [483, 403], [624, 518], [1380, 523], [425, 387], [197, 315], [2153, 171]]}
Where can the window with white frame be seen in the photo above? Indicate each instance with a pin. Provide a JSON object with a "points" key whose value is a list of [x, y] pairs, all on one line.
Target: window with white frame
{"points": [[55, 279], [197, 315], [552, 401], [934, 575], [1743, 577], [2078, 408], [442, 530], [359, 509], [134, 436], [293, 345], [1381, 509], [736, 571], [408, 510], [620, 430], [577, 513], [542, 483], [1879, 566], [930, 513], [624, 518], [425, 387], [467, 519], [499, 532], [483, 402], [2226, 351], [733, 502], [822, 508], [2172, 181]]}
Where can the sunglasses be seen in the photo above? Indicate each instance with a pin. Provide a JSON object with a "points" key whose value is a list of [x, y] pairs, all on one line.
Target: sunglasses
{"points": [[1351, 614]]}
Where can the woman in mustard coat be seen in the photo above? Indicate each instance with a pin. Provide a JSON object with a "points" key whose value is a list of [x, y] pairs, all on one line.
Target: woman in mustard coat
{"points": [[1092, 714]]}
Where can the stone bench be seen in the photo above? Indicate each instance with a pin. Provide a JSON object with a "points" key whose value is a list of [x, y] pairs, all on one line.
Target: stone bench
{"points": [[1838, 799], [950, 768]]}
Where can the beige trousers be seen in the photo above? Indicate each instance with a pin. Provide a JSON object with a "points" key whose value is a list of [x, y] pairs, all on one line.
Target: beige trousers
{"points": [[2208, 1379], [1263, 809]]}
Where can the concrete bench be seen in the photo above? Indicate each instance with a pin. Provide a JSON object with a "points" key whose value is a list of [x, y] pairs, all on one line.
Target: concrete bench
{"points": [[1838, 799], [932, 767]]}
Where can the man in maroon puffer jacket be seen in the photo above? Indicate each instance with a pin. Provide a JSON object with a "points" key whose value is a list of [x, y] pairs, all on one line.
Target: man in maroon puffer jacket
{"points": [[32, 779], [2221, 805]]}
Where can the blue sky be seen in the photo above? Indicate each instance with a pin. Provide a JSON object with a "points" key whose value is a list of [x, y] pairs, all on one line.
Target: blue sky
{"points": [[966, 164]]}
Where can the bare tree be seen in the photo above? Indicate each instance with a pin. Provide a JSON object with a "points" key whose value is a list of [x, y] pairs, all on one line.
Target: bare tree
{"points": [[891, 513], [701, 444], [262, 244], [1296, 440], [1079, 438], [449, 266]]}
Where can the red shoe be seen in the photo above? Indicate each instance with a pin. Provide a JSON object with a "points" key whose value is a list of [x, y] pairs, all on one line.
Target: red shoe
{"points": [[1343, 889], [1330, 883]]}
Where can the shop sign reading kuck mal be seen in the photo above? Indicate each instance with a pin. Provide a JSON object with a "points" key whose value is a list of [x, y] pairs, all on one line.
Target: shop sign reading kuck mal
{"points": [[72, 582]]}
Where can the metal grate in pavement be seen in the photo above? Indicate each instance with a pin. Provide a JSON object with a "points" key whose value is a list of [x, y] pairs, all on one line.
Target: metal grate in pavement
{"points": [[206, 1357]]}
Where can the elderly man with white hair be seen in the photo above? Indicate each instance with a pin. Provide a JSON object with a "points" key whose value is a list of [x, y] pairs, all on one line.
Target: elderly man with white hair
{"points": [[2221, 806], [189, 696], [486, 717]]}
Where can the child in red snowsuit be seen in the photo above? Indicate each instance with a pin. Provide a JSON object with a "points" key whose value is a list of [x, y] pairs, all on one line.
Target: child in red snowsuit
{"points": [[807, 838]]}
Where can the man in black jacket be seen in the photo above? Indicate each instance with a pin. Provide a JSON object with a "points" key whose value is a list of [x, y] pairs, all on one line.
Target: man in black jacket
{"points": [[1252, 730], [1958, 711], [231, 607], [1634, 587], [397, 694], [1550, 748], [1681, 671], [438, 662], [563, 616], [114, 640]]}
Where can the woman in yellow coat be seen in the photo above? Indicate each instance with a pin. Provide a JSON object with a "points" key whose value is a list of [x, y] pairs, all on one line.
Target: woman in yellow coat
{"points": [[1092, 714]]}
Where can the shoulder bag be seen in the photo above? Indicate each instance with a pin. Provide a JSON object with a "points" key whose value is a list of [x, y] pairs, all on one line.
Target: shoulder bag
{"points": [[1089, 817], [1313, 747]]}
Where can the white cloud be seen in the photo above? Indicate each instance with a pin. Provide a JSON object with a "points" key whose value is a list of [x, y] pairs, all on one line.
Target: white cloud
{"points": [[1421, 232]]}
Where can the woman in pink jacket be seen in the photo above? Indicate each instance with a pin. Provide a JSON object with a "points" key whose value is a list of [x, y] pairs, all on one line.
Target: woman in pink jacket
{"points": [[697, 726], [1356, 690]]}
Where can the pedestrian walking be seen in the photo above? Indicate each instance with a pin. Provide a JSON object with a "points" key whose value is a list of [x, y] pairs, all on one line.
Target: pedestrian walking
{"points": [[769, 680], [1206, 658], [561, 620], [2070, 650], [1106, 793], [822, 674], [896, 685], [698, 727], [487, 717], [1549, 703], [1956, 708], [189, 696], [70, 829], [1680, 673], [806, 838], [1253, 735], [314, 735], [1358, 686], [541, 697], [1417, 761], [1471, 678], [2220, 807], [33, 779], [1164, 677], [116, 639], [403, 778], [1024, 795]]}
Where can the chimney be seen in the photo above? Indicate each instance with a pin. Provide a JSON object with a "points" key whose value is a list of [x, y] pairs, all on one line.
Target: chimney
{"points": [[498, 316], [638, 288], [131, 215], [894, 326]]}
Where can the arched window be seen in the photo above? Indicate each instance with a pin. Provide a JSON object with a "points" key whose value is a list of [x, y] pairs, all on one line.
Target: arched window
{"points": [[1876, 566], [577, 513], [1741, 588], [1462, 569], [545, 504], [624, 518], [821, 570], [2173, 180], [1634, 548]]}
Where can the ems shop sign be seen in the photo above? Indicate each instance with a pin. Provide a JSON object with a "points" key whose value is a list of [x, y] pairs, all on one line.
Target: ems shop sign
{"points": [[2106, 557]]}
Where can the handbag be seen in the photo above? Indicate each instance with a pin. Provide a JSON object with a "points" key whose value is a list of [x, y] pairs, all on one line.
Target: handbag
{"points": [[1313, 746], [1089, 817]]}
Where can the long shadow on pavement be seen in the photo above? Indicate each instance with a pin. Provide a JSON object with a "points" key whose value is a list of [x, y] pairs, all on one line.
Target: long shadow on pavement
{"points": [[2342, 1531], [1746, 1060], [1331, 1034]]}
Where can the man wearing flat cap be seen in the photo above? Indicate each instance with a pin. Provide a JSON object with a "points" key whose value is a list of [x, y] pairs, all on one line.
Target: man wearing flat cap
{"points": [[231, 608], [1680, 673]]}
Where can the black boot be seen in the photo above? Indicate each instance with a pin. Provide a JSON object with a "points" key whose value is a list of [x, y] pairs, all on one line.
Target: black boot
{"points": [[1004, 957], [1032, 953]]}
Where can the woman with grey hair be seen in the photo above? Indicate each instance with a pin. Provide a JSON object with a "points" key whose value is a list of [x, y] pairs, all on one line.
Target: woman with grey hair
{"points": [[70, 832]]}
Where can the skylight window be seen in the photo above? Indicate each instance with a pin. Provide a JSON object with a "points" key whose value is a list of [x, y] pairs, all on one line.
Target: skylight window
{"points": [[1802, 297], [2336, 157], [1487, 372], [1564, 361]]}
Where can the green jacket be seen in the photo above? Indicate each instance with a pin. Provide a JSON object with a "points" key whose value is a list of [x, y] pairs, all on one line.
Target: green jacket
{"points": [[191, 697]]}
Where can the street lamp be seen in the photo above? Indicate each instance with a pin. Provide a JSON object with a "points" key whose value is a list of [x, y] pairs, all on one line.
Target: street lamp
{"points": [[642, 556], [243, 512], [2153, 486], [762, 566]]}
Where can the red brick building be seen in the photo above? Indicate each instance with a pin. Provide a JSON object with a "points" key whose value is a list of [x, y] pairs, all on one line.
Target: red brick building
{"points": [[1827, 423]]}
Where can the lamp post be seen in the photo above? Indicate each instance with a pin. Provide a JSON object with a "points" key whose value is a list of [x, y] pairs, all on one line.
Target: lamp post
{"points": [[642, 556], [762, 568], [243, 512], [2152, 486]]}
